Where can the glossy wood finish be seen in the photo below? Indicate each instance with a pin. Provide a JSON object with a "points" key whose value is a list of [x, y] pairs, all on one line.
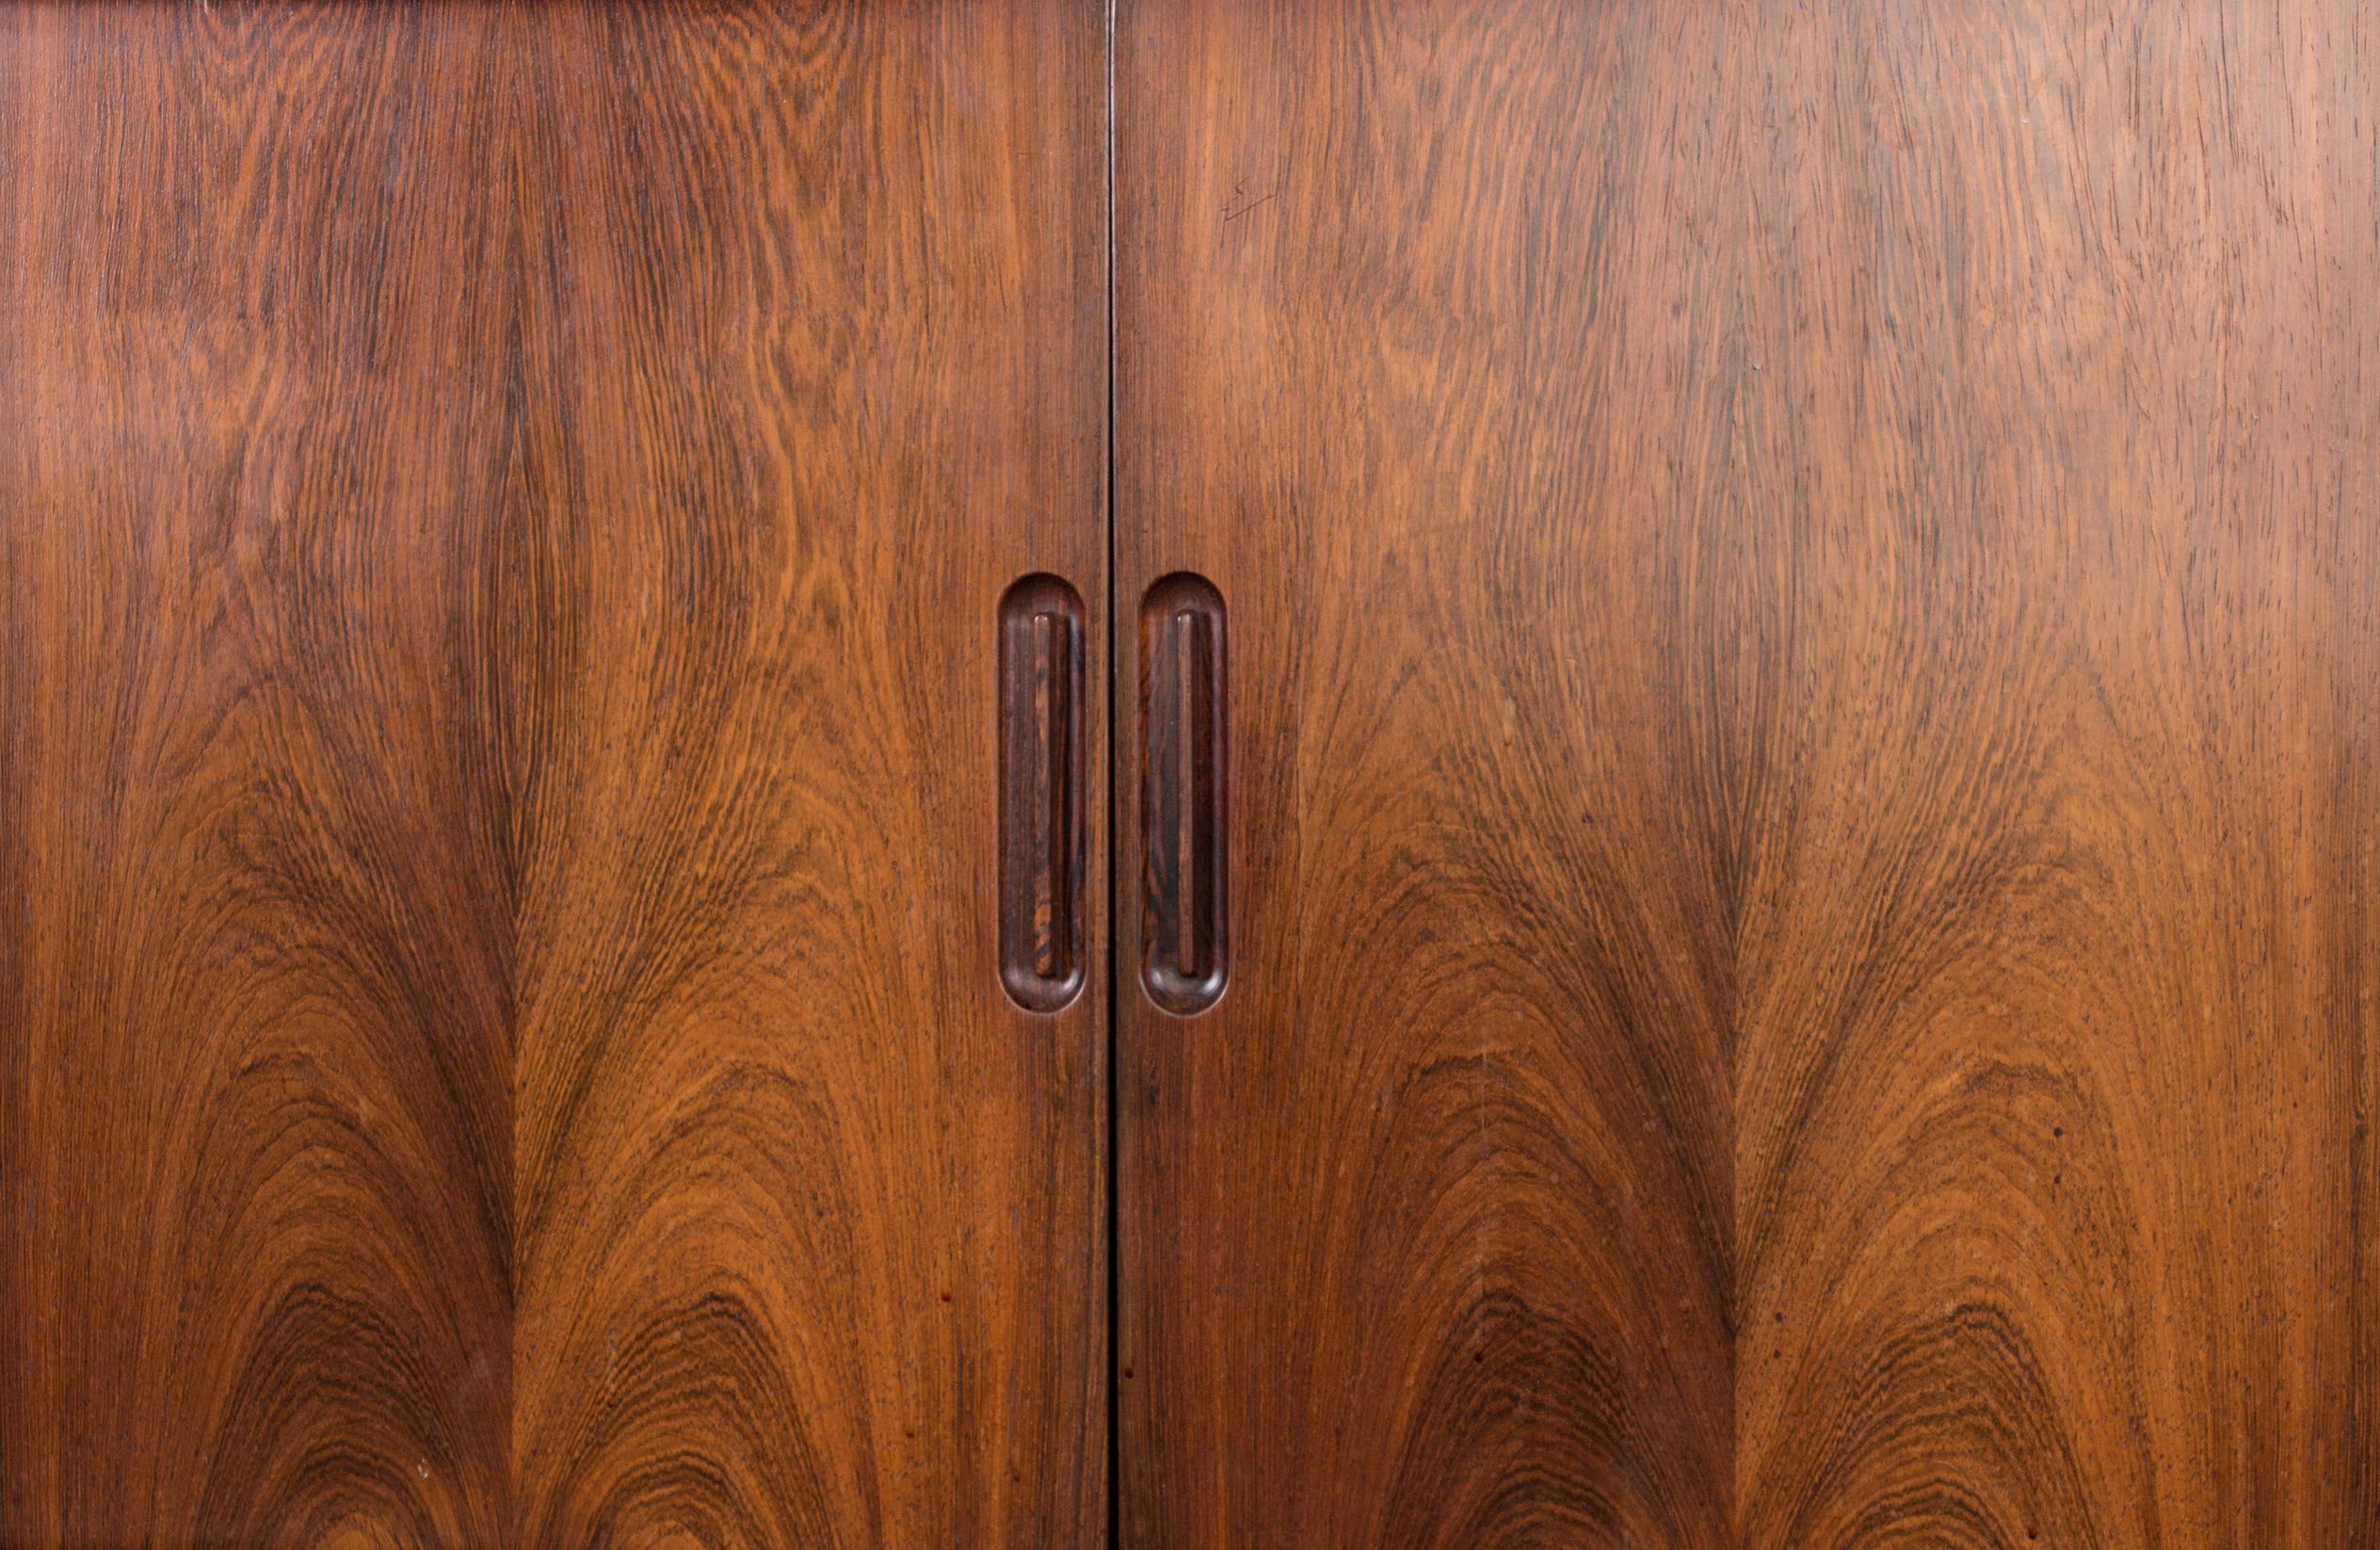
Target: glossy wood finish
{"points": [[1042, 693], [506, 511], [1805, 591], [810, 1216], [1184, 766], [257, 819]]}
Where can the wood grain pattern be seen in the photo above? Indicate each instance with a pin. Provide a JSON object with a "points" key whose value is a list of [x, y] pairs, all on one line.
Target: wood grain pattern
{"points": [[253, 1258], [2054, 1158], [504, 512], [1805, 675], [1424, 1225], [1185, 775], [810, 1215], [1042, 690]]}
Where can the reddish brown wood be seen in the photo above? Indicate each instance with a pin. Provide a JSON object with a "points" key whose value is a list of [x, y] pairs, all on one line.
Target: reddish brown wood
{"points": [[1806, 659], [810, 1215], [505, 511], [1185, 775], [1041, 786], [1792, 818], [257, 818]]}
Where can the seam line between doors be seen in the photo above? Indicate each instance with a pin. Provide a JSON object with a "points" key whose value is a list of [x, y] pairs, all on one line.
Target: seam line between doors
{"points": [[1114, 1140]]}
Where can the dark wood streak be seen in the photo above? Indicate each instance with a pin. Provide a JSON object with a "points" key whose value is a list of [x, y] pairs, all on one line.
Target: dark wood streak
{"points": [[1805, 607], [504, 1040]]}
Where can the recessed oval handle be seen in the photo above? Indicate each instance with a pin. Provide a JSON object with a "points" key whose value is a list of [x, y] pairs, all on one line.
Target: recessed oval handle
{"points": [[1185, 887], [1042, 793]]}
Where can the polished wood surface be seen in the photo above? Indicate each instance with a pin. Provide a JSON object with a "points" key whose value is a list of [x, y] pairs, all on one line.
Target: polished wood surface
{"points": [[1043, 935], [811, 1222], [257, 818], [506, 511], [1753, 903], [1805, 725], [1183, 763]]}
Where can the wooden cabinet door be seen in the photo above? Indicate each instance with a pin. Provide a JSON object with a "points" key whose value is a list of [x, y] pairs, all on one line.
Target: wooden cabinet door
{"points": [[505, 513], [1799, 638]]}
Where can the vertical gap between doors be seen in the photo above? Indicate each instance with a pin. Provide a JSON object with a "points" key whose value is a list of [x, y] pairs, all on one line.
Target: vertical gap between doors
{"points": [[1115, 816]]}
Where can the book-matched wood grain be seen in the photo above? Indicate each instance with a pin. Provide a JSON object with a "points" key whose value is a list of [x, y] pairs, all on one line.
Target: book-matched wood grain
{"points": [[506, 511], [1425, 1223], [812, 1221], [1805, 669]]}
